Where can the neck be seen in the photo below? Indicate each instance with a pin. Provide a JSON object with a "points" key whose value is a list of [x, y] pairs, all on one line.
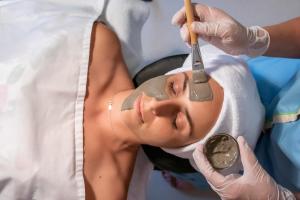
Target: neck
{"points": [[110, 153], [126, 138]]}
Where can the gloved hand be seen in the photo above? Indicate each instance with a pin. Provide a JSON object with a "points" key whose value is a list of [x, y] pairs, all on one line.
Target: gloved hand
{"points": [[218, 28], [254, 184]]}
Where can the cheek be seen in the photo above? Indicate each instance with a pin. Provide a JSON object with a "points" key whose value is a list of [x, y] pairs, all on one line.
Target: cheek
{"points": [[162, 125], [159, 133]]}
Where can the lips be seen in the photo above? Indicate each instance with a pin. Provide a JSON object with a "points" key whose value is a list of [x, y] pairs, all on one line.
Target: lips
{"points": [[139, 108]]}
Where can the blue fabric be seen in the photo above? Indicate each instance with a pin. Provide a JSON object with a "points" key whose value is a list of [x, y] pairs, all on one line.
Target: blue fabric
{"points": [[286, 102], [271, 74], [284, 152], [278, 150]]}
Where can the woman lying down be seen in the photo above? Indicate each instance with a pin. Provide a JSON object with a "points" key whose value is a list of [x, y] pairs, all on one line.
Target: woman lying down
{"points": [[162, 112]]}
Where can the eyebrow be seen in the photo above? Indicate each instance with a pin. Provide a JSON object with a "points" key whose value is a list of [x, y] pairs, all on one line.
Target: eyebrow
{"points": [[188, 116], [186, 78]]}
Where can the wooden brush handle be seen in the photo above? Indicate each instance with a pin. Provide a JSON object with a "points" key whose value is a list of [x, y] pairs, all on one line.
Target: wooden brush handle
{"points": [[190, 19]]}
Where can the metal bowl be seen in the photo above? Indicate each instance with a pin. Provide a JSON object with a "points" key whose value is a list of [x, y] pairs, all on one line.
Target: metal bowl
{"points": [[222, 151]]}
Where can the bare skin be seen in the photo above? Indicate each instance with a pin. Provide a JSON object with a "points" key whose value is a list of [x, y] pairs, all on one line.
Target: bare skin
{"points": [[107, 167], [112, 138], [285, 39]]}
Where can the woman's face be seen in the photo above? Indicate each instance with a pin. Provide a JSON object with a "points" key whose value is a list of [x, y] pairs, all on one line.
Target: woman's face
{"points": [[170, 118]]}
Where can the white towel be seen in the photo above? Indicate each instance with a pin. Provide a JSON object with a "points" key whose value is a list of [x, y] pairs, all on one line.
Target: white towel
{"points": [[242, 112]]}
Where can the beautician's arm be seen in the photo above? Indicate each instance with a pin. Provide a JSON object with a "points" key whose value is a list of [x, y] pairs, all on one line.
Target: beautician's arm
{"points": [[220, 29], [284, 39]]}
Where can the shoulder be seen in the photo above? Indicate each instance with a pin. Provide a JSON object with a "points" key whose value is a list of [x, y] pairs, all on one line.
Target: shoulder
{"points": [[106, 59], [104, 39]]}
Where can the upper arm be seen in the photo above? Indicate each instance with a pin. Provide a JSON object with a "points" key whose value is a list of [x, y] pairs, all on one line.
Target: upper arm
{"points": [[105, 45], [285, 39], [106, 61]]}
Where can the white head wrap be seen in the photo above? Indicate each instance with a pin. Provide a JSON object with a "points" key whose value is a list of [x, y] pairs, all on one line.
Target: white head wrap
{"points": [[242, 112]]}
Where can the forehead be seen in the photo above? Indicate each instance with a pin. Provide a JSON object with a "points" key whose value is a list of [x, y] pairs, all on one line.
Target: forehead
{"points": [[204, 114], [201, 118]]}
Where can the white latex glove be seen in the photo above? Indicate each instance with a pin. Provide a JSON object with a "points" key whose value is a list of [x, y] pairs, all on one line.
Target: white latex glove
{"points": [[254, 184], [218, 28]]}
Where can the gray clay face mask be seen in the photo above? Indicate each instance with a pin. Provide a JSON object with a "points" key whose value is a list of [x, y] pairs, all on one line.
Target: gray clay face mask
{"points": [[156, 87], [200, 91]]}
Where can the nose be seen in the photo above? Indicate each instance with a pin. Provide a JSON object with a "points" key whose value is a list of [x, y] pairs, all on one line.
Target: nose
{"points": [[168, 107]]}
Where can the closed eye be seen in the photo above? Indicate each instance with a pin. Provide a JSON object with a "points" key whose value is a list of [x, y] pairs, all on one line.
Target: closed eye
{"points": [[174, 124], [182, 120], [172, 87], [178, 86]]}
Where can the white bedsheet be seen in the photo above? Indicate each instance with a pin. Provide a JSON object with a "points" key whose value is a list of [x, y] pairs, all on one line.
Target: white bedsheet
{"points": [[44, 48]]}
